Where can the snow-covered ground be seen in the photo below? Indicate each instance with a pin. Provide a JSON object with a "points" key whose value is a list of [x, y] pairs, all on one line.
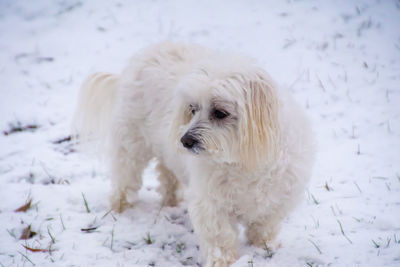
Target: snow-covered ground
{"points": [[341, 60]]}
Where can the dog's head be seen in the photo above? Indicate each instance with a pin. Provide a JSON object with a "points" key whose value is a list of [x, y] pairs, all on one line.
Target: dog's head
{"points": [[227, 112]]}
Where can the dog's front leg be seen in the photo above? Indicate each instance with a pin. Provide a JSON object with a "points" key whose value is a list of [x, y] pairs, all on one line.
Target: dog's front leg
{"points": [[215, 230]]}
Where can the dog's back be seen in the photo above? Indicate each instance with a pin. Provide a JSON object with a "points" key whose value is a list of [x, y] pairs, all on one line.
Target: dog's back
{"points": [[150, 76], [93, 114]]}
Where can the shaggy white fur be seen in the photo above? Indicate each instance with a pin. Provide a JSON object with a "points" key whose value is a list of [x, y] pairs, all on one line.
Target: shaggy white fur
{"points": [[218, 126]]}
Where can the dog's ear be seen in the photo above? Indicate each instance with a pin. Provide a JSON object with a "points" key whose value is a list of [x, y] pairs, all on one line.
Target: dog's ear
{"points": [[259, 127]]}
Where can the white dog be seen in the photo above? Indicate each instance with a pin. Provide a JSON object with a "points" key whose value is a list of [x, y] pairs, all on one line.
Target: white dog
{"points": [[218, 126]]}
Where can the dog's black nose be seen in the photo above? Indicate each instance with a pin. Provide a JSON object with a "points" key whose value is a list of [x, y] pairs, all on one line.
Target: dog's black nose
{"points": [[189, 141]]}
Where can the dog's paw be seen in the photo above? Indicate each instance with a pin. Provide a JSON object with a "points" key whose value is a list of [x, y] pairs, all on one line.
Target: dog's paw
{"points": [[263, 236], [221, 262], [222, 259], [271, 246], [119, 203], [170, 201]]}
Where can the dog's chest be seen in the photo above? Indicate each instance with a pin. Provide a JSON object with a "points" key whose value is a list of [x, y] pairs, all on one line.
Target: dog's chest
{"points": [[242, 192]]}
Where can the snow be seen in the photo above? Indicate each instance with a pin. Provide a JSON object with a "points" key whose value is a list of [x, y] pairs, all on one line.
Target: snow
{"points": [[341, 60]]}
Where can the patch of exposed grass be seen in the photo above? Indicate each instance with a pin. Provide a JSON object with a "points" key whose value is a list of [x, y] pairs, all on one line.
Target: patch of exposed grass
{"points": [[316, 202], [315, 245], [148, 239], [62, 222], [53, 240], [376, 245], [268, 252], [62, 140], [109, 213], [327, 187], [86, 203], [27, 258], [341, 229], [112, 238], [180, 247], [18, 127], [359, 189], [12, 234]]}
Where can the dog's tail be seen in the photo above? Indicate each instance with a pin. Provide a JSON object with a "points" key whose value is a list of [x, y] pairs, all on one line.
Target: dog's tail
{"points": [[92, 120]]}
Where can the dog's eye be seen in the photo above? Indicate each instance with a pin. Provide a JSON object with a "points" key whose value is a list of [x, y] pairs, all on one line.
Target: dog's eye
{"points": [[220, 114]]}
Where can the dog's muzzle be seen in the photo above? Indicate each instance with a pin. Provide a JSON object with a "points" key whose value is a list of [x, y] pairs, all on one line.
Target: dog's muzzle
{"points": [[189, 141]]}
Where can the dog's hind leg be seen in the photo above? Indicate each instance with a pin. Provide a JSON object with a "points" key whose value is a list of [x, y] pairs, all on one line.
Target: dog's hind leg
{"points": [[168, 186]]}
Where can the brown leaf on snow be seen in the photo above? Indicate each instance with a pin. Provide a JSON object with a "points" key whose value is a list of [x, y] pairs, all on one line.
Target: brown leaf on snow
{"points": [[24, 207], [27, 233], [35, 249]]}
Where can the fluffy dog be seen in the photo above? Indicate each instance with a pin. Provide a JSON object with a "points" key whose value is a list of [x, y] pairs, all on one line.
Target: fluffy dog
{"points": [[217, 125]]}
